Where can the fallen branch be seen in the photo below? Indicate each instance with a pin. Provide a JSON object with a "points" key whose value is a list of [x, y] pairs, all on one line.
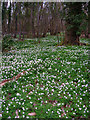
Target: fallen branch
{"points": [[14, 78]]}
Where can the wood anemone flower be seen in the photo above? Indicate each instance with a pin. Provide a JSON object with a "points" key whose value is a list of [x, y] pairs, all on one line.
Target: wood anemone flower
{"points": [[32, 114]]}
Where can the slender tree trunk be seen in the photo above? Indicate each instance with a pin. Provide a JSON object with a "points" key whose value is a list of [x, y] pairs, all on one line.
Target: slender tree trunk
{"points": [[52, 26], [54, 13], [38, 32], [45, 20], [15, 26], [4, 9], [88, 19], [15, 22], [9, 17], [32, 20], [19, 20]]}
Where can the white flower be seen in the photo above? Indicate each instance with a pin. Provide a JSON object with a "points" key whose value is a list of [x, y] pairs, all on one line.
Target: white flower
{"points": [[52, 111], [19, 110], [53, 90], [21, 73], [48, 109], [9, 117], [62, 103], [80, 108], [58, 112], [27, 117], [8, 104], [23, 108], [23, 103], [6, 108], [19, 103], [83, 105], [80, 98], [41, 88], [58, 104], [12, 99], [29, 97], [86, 85], [18, 94], [45, 101], [23, 90], [83, 80], [31, 102], [49, 68], [68, 62]]}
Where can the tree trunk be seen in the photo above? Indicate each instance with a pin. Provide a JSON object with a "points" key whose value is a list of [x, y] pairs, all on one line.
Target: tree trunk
{"points": [[52, 27], [15, 16], [4, 11], [9, 17], [38, 31], [15, 26], [19, 8], [72, 26], [70, 37], [32, 20], [45, 22], [88, 19]]}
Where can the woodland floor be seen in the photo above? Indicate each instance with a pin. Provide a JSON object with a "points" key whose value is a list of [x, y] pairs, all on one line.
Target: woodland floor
{"points": [[55, 82]]}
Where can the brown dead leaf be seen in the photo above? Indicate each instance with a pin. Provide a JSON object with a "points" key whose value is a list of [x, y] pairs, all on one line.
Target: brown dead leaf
{"points": [[32, 114]]}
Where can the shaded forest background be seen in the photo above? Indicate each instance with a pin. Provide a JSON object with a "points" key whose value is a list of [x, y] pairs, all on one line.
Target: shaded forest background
{"points": [[37, 19]]}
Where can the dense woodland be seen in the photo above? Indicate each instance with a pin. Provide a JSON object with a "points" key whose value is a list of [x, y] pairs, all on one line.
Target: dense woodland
{"points": [[36, 19]]}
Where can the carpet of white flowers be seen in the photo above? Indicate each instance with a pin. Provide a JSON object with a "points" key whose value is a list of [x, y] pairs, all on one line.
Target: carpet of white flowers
{"points": [[55, 84]]}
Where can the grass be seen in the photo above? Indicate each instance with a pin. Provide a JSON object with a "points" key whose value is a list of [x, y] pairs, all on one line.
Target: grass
{"points": [[55, 84]]}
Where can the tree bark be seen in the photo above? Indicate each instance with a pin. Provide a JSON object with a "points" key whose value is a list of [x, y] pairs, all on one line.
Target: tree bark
{"points": [[72, 26], [38, 31], [9, 17], [19, 8], [4, 12], [32, 20], [88, 19], [15, 22]]}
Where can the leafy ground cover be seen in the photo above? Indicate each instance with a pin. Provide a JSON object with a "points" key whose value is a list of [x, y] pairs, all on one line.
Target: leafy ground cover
{"points": [[54, 85]]}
